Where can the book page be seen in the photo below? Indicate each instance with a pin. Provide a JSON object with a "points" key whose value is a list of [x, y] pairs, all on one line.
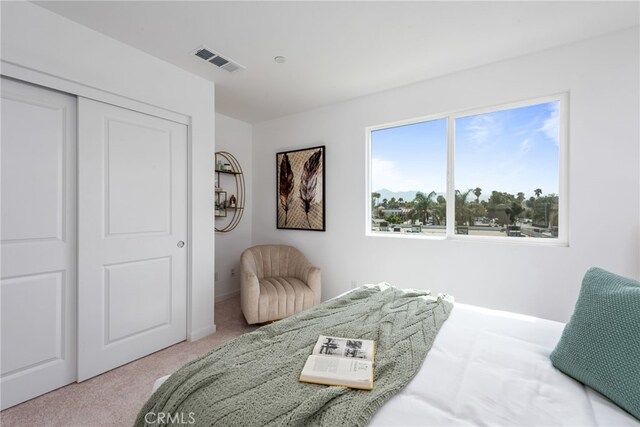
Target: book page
{"points": [[344, 347], [352, 372]]}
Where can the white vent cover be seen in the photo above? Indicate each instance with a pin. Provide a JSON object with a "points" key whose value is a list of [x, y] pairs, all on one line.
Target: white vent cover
{"points": [[216, 59]]}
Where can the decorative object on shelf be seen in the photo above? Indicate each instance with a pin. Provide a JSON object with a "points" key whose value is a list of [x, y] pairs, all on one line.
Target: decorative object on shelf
{"points": [[228, 174], [221, 204], [300, 182]]}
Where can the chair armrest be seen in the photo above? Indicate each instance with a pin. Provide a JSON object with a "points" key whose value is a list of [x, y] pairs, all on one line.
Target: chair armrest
{"points": [[249, 282], [249, 296], [312, 279]]}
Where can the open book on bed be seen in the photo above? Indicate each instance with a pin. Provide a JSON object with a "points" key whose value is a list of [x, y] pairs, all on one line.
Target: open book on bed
{"points": [[340, 361]]}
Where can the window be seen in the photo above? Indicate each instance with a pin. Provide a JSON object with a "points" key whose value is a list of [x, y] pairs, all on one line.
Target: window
{"points": [[409, 173], [502, 168]]}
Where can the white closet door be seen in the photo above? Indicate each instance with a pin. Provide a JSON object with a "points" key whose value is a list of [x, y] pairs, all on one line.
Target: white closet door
{"points": [[132, 257], [38, 242]]}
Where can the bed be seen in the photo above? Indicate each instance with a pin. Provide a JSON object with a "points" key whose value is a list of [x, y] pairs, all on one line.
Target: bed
{"points": [[489, 367]]}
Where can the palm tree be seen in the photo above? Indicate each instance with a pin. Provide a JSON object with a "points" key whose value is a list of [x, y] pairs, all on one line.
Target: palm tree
{"points": [[462, 210], [422, 205], [374, 198], [513, 211], [477, 192], [537, 192], [440, 210], [374, 201]]}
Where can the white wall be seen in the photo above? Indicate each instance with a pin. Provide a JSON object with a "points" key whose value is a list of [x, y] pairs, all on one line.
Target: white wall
{"points": [[39, 44], [603, 80], [233, 136]]}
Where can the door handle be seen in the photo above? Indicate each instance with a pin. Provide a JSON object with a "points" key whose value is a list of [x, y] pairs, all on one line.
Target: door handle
{"points": [[180, 244]]}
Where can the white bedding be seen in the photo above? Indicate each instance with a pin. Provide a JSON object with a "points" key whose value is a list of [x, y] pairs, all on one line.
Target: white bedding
{"points": [[489, 367]]}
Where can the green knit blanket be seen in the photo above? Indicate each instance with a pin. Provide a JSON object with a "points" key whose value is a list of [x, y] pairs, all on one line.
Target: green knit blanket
{"points": [[253, 379]]}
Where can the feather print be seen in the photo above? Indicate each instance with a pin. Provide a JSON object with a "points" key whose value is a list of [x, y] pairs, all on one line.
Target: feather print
{"points": [[309, 182], [286, 185]]}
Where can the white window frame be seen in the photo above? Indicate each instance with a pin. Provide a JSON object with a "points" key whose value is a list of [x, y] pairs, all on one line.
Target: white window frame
{"points": [[563, 167]]}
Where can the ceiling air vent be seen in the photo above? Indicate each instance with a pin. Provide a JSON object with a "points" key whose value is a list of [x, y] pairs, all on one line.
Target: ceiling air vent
{"points": [[216, 59]]}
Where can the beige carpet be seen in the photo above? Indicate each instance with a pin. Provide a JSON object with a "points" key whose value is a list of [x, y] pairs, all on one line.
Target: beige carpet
{"points": [[115, 397]]}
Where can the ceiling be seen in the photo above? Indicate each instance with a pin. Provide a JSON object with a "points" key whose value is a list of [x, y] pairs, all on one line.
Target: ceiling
{"points": [[339, 50]]}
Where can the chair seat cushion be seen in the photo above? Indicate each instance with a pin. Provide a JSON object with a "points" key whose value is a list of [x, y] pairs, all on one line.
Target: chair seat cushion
{"points": [[281, 297]]}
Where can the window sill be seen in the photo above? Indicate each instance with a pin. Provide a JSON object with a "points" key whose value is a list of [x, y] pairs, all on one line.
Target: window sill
{"points": [[522, 241]]}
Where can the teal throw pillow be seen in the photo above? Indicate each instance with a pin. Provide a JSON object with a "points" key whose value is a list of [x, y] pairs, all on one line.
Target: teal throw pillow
{"points": [[600, 346]]}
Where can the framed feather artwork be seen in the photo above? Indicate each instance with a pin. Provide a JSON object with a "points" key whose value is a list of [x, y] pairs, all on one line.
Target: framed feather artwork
{"points": [[300, 183]]}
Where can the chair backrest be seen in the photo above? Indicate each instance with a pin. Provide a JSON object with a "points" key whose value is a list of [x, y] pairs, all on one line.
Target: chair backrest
{"points": [[274, 261]]}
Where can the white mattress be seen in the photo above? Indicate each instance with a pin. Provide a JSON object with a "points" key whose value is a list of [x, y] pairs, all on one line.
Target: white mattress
{"points": [[489, 367]]}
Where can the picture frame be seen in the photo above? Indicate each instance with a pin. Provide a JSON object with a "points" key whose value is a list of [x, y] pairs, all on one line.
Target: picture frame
{"points": [[300, 189]]}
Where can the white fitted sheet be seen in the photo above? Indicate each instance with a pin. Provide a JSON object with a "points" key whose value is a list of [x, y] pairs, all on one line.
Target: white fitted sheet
{"points": [[488, 367]]}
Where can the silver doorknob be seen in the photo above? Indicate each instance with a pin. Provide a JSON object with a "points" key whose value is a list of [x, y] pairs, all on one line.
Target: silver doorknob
{"points": [[180, 244]]}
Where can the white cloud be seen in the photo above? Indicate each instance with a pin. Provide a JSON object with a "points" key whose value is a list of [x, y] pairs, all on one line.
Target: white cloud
{"points": [[387, 174], [551, 126], [525, 146], [482, 127]]}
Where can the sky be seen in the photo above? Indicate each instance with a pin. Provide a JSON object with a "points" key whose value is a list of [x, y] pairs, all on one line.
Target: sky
{"points": [[514, 150]]}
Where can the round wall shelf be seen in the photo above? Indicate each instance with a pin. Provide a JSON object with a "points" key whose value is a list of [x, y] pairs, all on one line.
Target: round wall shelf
{"points": [[229, 192]]}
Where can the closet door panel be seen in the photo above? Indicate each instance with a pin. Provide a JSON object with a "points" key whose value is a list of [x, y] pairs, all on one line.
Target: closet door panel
{"points": [[133, 217], [38, 241]]}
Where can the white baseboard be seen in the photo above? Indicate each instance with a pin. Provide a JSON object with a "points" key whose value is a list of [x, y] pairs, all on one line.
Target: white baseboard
{"points": [[204, 332], [196, 335], [223, 297]]}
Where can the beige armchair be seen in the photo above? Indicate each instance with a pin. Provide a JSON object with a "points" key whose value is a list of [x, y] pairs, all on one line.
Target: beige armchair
{"points": [[276, 281]]}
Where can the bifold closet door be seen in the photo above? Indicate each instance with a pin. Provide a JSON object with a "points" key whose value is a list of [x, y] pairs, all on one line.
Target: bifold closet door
{"points": [[132, 260], [38, 241]]}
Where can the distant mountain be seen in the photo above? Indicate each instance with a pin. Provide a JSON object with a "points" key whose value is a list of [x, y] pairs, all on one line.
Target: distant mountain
{"points": [[407, 196], [388, 194]]}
